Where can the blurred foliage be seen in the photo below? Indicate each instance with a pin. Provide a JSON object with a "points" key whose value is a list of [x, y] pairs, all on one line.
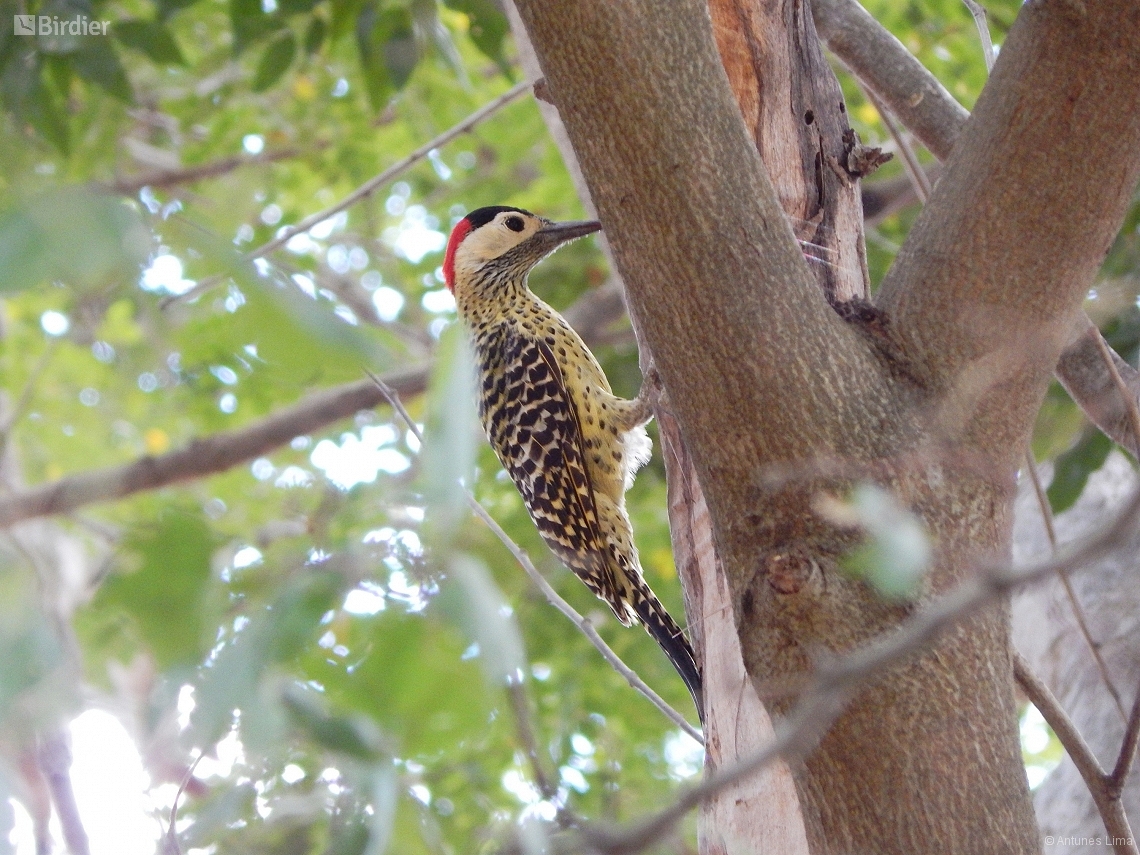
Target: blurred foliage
{"points": [[895, 552], [331, 609]]}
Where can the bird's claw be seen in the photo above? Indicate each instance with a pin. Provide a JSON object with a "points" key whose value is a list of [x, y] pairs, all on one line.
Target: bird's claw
{"points": [[652, 393]]}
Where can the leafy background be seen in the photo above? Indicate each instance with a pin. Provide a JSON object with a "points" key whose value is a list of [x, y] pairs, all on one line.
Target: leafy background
{"points": [[328, 619]]}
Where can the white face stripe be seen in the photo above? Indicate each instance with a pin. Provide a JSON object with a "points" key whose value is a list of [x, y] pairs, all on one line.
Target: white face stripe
{"points": [[491, 240]]}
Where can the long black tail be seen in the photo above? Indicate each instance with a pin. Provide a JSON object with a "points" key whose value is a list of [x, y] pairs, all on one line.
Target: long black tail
{"points": [[665, 631]]}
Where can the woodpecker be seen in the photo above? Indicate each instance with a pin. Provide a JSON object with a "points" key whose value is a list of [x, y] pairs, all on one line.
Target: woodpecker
{"points": [[569, 444]]}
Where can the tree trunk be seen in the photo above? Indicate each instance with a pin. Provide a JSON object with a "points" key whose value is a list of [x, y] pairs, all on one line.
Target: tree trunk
{"points": [[779, 401]]}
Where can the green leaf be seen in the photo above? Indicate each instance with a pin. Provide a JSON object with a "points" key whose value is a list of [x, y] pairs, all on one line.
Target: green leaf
{"points": [[343, 17], [150, 38], [897, 552], [388, 53], [315, 34], [352, 736], [352, 838], [232, 804], [384, 788], [161, 583], [488, 28], [31, 101], [301, 338], [474, 601], [296, 7], [451, 437], [298, 340], [250, 23], [275, 61], [425, 13], [296, 614], [96, 62], [72, 235], [1072, 468], [166, 8], [406, 678], [272, 636]]}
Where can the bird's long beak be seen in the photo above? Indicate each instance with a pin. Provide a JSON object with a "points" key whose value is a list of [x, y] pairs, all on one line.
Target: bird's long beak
{"points": [[558, 233]]}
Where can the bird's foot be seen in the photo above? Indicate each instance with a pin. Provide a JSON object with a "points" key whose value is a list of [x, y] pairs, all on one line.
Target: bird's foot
{"points": [[652, 394]]}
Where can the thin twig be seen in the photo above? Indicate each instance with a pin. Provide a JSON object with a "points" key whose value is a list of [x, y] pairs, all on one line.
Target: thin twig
{"points": [[883, 64], [1042, 500], [201, 172], [794, 739], [1127, 754], [26, 395], [516, 689], [371, 186], [551, 595], [1054, 714], [983, 26], [367, 188], [170, 844], [1132, 411], [1070, 592], [914, 170], [54, 756], [1132, 729], [1098, 783]]}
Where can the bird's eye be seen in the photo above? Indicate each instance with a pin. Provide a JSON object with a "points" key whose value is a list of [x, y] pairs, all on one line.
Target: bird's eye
{"points": [[515, 224]]}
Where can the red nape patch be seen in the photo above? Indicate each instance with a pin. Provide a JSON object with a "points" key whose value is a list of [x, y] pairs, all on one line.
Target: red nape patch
{"points": [[461, 230]]}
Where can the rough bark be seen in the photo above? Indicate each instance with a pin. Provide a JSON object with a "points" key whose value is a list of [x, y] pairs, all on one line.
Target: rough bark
{"points": [[1033, 195], [762, 812], [771, 393], [793, 108], [886, 68]]}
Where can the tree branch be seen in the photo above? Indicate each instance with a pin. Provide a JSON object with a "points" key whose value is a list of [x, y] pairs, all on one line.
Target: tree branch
{"points": [[1082, 371], [886, 67], [1127, 756], [201, 172], [1007, 247], [54, 756], [203, 457], [892, 73], [1067, 584], [979, 14], [1099, 785], [591, 315]]}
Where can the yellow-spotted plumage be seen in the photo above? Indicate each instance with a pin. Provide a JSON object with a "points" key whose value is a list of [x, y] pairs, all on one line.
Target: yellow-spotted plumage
{"points": [[570, 445]]}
